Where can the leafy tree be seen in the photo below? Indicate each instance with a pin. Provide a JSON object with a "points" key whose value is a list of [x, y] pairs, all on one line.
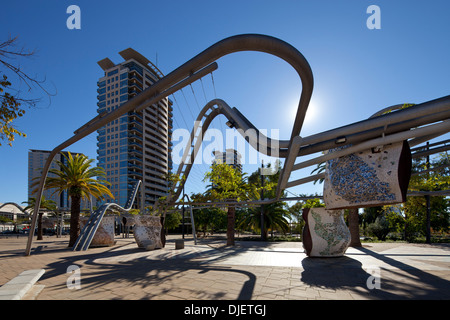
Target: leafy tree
{"points": [[415, 209], [9, 111], [380, 228], [208, 219], [172, 220], [228, 184], [77, 177], [45, 204], [11, 98]]}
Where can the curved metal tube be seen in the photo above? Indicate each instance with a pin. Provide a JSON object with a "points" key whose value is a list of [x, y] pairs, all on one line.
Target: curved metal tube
{"points": [[160, 90], [256, 139], [97, 216], [15, 205]]}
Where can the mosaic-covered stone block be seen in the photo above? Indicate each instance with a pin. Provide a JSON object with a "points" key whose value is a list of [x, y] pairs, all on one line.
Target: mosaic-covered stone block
{"points": [[325, 233], [104, 236], [375, 177], [148, 229]]}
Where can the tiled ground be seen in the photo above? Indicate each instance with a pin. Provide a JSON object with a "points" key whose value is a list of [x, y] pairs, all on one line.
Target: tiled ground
{"points": [[250, 270]]}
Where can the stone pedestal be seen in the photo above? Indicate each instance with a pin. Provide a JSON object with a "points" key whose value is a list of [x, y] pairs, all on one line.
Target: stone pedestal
{"points": [[179, 244], [104, 236], [325, 233]]}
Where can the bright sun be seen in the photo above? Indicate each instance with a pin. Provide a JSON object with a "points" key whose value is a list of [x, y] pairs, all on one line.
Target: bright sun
{"points": [[311, 114]]}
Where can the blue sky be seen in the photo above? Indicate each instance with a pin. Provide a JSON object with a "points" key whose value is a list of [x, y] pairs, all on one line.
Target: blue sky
{"points": [[357, 71]]}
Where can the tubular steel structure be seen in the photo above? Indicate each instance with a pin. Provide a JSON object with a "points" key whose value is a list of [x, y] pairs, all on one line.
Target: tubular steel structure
{"points": [[419, 123]]}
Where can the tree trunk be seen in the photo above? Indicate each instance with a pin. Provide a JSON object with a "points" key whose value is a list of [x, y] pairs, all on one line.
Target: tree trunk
{"points": [[230, 225], [74, 220], [39, 226], [353, 225]]}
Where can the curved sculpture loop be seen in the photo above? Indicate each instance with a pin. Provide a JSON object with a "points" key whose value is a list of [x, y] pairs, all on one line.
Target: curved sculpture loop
{"points": [[181, 77], [418, 123]]}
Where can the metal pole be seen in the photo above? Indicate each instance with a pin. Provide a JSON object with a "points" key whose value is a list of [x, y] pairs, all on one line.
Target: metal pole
{"points": [[182, 220], [427, 198], [263, 234]]}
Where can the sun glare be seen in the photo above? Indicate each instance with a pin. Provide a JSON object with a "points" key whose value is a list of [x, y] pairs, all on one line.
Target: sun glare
{"points": [[311, 114]]}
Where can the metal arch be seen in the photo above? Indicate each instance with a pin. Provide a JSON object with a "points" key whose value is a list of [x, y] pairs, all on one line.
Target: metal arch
{"points": [[16, 205], [181, 77], [215, 107]]}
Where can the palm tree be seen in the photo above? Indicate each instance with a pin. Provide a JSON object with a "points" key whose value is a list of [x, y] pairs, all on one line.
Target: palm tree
{"points": [[77, 177], [275, 217], [275, 214], [45, 204]]}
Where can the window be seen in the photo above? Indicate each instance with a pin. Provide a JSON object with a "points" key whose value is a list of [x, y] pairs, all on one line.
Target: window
{"points": [[113, 72], [123, 164]]}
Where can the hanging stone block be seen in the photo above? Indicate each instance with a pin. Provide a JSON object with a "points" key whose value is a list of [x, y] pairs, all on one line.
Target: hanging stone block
{"points": [[325, 233], [376, 177]]}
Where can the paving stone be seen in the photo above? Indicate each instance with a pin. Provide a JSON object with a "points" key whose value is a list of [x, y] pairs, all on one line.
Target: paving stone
{"points": [[248, 271]]}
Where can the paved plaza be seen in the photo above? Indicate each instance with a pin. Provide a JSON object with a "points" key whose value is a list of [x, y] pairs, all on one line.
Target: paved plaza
{"points": [[251, 270]]}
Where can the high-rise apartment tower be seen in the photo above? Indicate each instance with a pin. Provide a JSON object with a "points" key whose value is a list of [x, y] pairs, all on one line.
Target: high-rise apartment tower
{"points": [[137, 146]]}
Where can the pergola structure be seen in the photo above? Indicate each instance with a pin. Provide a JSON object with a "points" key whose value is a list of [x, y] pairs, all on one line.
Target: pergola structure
{"points": [[416, 124]]}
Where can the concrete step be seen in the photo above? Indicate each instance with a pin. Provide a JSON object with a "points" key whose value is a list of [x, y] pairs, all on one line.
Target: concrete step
{"points": [[16, 288]]}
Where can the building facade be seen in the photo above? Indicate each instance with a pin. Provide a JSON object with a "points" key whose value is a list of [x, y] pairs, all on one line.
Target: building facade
{"points": [[36, 162], [138, 145], [230, 156]]}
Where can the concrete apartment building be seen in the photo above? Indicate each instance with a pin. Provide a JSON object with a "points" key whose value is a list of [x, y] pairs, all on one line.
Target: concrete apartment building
{"points": [[230, 156], [137, 146]]}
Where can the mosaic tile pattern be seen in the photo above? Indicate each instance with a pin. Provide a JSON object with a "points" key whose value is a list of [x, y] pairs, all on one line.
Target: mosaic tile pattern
{"points": [[363, 179], [329, 234], [147, 228], [104, 236]]}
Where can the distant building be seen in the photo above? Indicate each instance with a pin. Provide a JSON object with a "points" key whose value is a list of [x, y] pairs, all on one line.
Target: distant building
{"points": [[36, 162], [230, 156], [138, 145], [14, 212]]}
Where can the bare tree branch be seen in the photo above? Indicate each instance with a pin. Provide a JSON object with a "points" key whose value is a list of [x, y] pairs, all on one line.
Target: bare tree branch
{"points": [[8, 52]]}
